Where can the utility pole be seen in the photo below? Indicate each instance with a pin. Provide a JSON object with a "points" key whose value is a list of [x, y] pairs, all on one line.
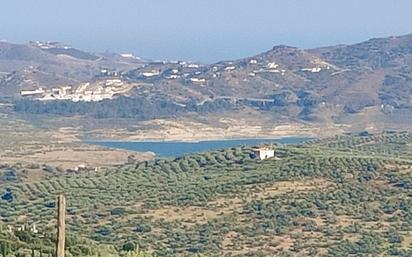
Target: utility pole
{"points": [[61, 225]]}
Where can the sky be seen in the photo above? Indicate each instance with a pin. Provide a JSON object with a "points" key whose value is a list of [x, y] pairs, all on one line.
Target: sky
{"points": [[201, 30]]}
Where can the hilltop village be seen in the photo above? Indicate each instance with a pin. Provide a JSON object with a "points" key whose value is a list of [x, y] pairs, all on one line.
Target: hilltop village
{"points": [[108, 82], [86, 92], [202, 74]]}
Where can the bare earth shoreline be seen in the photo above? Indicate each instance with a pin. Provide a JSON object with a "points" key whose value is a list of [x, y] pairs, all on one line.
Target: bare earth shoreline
{"points": [[71, 145], [189, 131]]}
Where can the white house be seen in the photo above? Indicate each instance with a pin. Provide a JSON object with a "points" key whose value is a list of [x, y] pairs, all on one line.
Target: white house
{"points": [[272, 65], [127, 55], [264, 153], [32, 92], [198, 80], [193, 65], [173, 76], [151, 73]]}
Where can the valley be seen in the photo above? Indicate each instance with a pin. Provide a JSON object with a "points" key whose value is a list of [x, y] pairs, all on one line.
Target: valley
{"points": [[344, 192], [206, 128]]}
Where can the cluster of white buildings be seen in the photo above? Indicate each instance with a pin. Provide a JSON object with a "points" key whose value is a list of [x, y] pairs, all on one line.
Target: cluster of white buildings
{"points": [[84, 93], [196, 76], [271, 67], [148, 73], [49, 45]]}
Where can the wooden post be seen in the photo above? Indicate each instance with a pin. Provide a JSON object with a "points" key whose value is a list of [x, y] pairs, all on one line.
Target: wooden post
{"points": [[61, 226]]}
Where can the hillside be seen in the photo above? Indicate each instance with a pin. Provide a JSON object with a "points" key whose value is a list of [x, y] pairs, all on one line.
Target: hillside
{"points": [[334, 80], [332, 197], [50, 64], [366, 86]]}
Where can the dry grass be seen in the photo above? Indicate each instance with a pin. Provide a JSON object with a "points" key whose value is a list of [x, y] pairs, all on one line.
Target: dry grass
{"points": [[223, 206]]}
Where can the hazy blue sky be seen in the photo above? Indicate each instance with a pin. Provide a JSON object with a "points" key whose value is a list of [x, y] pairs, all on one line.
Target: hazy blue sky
{"points": [[205, 30]]}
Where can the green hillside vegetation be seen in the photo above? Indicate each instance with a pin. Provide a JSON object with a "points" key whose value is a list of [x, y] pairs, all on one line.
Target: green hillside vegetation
{"points": [[26, 243], [344, 196], [139, 108]]}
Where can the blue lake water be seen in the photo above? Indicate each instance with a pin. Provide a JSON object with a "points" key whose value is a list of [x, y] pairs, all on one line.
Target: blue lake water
{"points": [[174, 149]]}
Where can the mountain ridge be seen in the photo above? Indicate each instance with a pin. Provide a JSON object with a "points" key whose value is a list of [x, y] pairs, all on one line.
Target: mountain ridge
{"points": [[319, 84]]}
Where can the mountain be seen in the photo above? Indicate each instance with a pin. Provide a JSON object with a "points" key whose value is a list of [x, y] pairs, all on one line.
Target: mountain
{"points": [[52, 64], [320, 83], [383, 66], [338, 84]]}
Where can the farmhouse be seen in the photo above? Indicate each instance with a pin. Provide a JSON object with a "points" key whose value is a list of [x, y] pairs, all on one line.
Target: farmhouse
{"points": [[263, 153]]}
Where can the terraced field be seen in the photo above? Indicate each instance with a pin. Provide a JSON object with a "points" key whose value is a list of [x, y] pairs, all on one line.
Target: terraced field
{"points": [[337, 197]]}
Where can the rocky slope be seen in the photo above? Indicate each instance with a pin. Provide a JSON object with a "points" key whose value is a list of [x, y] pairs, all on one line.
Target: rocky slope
{"points": [[334, 84]]}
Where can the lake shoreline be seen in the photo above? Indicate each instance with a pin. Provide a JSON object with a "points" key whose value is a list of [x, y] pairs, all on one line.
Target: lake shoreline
{"points": [[175, 148], [154, 140]]}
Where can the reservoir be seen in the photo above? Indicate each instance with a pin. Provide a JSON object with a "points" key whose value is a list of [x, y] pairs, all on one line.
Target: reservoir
{"points": [[174, 149]]}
